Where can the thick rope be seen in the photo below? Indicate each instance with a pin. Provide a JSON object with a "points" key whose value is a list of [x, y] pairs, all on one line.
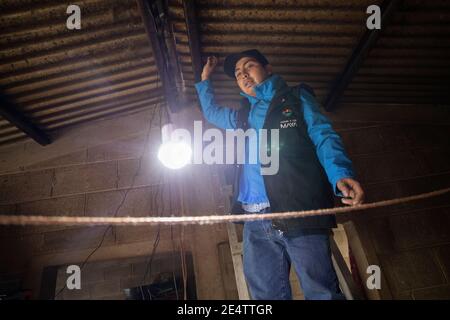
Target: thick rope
{"points": [[65, 220]]}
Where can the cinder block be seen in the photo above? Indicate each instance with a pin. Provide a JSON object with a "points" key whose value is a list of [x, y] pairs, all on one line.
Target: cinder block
{"points": [[404, 295], [150, 172], [363, 140], [130, 147], [78, 157], [103, 203], [219, 198], [131, 282], [79, 238], [9, 231], [389, 166], [15, 253], [394, 138], [436, 160], [127, 234], [139, 268], [412, 269], [435, 293], [162, 262], [64, 206], [359, 166], [25, 186], [85, 178], [118, 272], [427, 135], [341, 125], [105, 289], [408, 187], [381, 234], [424, 228], [7, 209], [89, 276], [76, 294], [380, 192], [119, 296], [139, 202], [102, 265], [422, 185], [443, 256], [12, 231]]}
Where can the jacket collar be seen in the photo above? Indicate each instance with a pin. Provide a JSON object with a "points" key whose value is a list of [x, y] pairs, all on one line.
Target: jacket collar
{"points": [[266, 90]]}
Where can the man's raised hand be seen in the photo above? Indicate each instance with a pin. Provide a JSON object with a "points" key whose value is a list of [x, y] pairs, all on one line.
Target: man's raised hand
{"points": [[209, 67]]}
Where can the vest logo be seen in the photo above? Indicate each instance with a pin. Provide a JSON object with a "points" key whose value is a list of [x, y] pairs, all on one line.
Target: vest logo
{"points": [[287, 112], [291, 123]]}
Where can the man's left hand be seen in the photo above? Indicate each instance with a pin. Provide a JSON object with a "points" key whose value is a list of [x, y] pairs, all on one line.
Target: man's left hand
{"points": [[352, 191]]}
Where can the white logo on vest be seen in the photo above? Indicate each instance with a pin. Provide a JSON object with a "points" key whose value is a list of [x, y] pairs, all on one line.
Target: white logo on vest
{"points": [[290, 123]]}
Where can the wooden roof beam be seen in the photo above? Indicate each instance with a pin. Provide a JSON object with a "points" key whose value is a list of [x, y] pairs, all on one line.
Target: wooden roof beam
{"points": [[360, 52], [11, 112]]}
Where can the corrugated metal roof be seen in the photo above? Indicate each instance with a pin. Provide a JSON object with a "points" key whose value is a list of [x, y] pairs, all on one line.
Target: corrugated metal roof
{"points": [[410, 63], [310, 41], [61, 77], [306, 41]]}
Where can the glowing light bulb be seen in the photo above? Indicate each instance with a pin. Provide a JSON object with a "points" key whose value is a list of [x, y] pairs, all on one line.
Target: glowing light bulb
{"points": [[174, 154]]}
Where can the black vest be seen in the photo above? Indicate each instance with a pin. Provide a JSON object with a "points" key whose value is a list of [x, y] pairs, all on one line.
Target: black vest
{"points": [[301, 182]]}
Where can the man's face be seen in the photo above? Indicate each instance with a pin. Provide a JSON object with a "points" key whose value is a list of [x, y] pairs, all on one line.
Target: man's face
{"points": [[249, 72]]}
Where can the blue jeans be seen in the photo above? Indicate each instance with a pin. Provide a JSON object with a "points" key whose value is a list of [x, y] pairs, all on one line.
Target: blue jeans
{"points": [[268, 254]]}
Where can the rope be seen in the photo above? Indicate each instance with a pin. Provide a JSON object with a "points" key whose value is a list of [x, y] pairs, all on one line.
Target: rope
{"points": [[65, 220]]}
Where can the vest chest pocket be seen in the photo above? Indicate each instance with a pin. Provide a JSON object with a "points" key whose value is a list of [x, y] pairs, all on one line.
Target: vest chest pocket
{"points": [[294, 141], [288, 116]]}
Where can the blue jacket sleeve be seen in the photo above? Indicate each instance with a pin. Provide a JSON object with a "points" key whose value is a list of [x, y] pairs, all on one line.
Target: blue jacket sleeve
{"points": [[329, 146], [221, 117]]}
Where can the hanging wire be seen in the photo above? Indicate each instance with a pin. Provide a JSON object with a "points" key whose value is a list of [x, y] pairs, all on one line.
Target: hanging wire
{"points": [[148, 133]]}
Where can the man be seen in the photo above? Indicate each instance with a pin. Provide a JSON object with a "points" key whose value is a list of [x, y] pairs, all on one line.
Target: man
{"points": [[312, 166]]}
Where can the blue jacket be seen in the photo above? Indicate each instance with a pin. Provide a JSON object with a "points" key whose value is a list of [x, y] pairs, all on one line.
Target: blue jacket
{"points": [[329, 148]]}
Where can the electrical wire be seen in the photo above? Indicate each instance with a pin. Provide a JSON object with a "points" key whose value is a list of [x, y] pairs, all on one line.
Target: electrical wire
{"points": [[160, 190], [125, 194]]}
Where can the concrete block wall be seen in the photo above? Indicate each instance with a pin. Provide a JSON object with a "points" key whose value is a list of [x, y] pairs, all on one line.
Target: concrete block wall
{"points": [[411, 241], [88, 172], [87, 189], [107, 280]]}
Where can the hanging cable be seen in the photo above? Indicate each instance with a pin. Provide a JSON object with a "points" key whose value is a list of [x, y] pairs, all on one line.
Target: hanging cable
{"points": [[152, 116]]}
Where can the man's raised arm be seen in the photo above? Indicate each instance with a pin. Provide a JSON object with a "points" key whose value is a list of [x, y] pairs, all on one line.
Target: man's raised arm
{"points": [[220, 116]]}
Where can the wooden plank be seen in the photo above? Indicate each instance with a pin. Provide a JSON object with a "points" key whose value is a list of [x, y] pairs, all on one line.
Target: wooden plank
{"points": [[238, 263], [227, 271], [348, 286], [365, 256]]}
